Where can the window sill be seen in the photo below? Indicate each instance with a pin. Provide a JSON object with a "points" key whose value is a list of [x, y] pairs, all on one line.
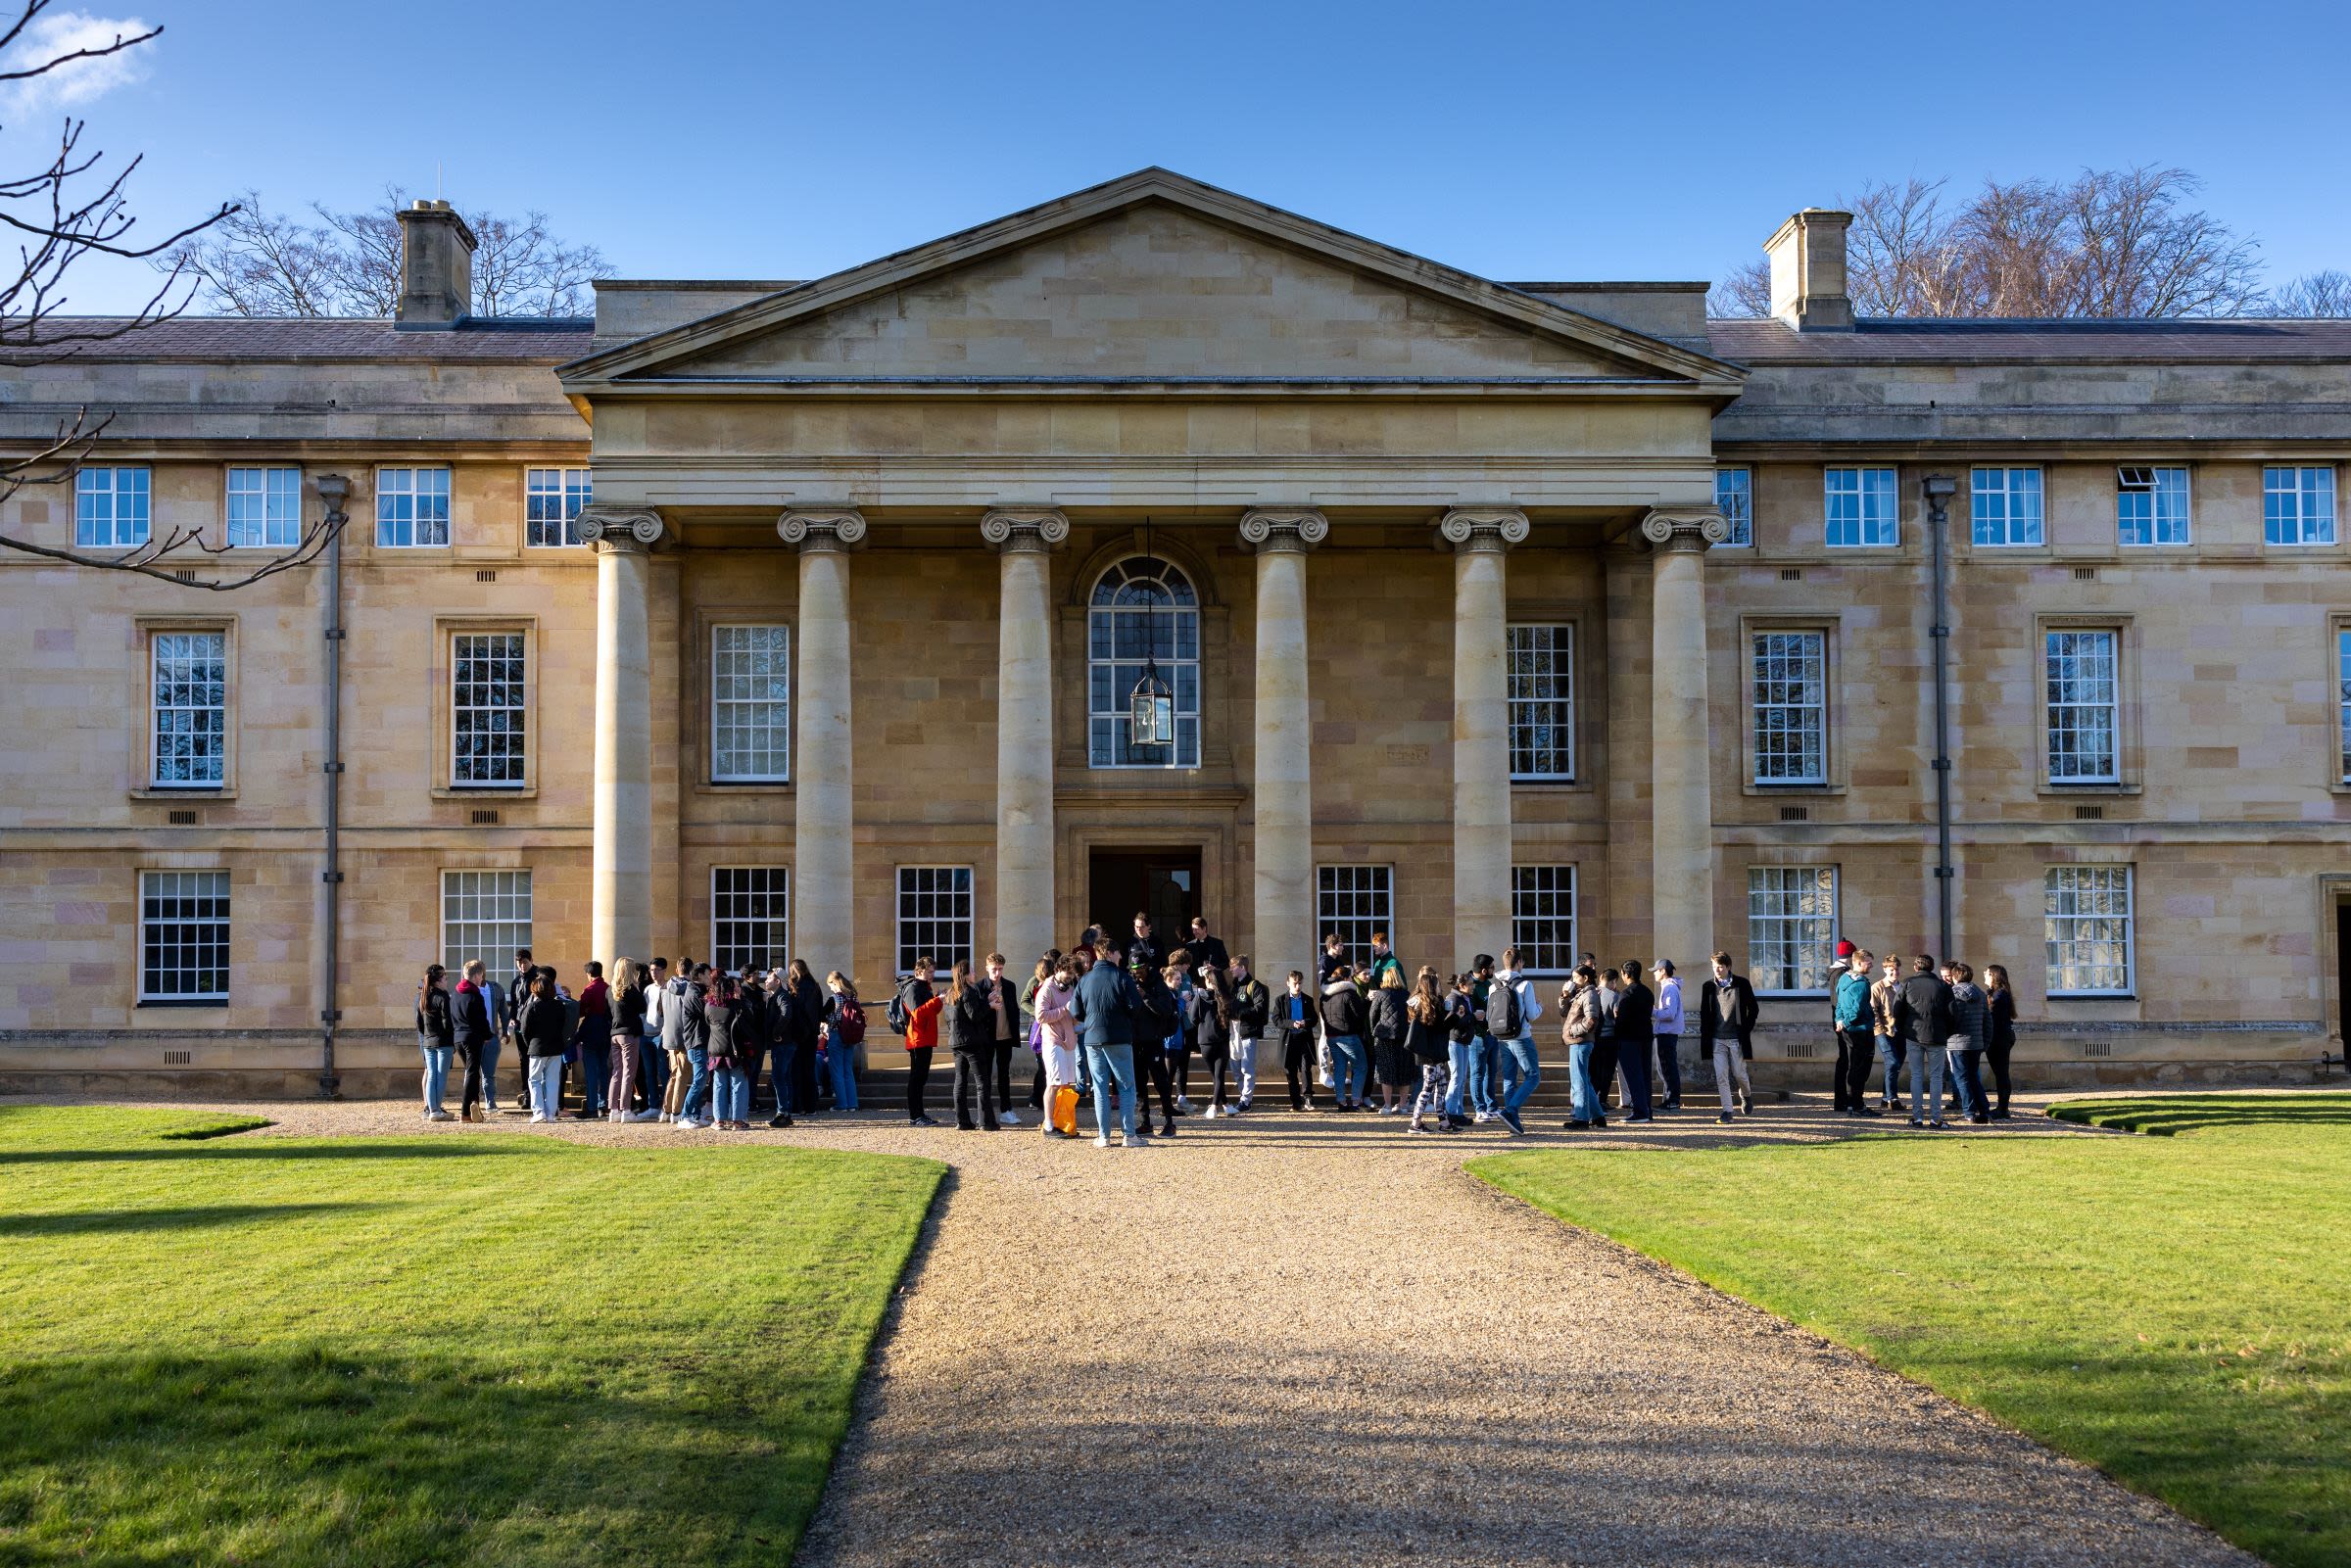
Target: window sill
{"points": [[485, 793], [1784, 792], [2091, 996], [206, 792], [2050, 790], [183, 1002]]}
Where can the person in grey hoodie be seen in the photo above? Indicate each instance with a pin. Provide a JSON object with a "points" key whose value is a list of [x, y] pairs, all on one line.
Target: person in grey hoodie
{"points": [[1971, 1031]]}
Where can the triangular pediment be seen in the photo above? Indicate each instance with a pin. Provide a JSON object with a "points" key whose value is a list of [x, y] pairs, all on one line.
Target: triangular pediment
{"points": [[1151, 278]]}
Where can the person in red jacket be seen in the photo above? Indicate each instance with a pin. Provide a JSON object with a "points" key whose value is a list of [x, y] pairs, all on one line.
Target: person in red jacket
{"points": [[922, 1006]]}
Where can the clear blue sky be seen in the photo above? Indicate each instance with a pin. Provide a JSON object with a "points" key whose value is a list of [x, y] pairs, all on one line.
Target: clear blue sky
{"points": [[1517, 141]]}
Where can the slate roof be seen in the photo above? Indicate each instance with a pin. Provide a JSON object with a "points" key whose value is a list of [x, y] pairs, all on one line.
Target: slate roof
{"points": [[218, 340], [1765, 342]]}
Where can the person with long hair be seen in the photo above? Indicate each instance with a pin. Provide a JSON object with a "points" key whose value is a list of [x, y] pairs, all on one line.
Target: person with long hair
{"points": [[845, 1032], [1037, 978], [971, 1037], [732, 1037], [1430, 1043], [436, 1038], [544, 1031], [1391, 1023], [1999, 1008], [628, 1040], [473, 1026], [1579, 1029], [807, 1016], [1208, 1029]]}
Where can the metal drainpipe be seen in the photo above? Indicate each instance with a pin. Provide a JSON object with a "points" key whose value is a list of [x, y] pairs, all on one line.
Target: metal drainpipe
{"points": [[1939, 489], [334, 489]]}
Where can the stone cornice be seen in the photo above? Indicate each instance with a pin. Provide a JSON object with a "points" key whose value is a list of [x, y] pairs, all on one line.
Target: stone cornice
{"points": [[1293, 530], [818, 530], [1465, 529], [1695, 529], [1023, 530], [628, 530]]}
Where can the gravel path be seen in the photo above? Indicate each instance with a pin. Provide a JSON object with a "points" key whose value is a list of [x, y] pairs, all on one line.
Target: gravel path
{"points": [[1300, 1339]]}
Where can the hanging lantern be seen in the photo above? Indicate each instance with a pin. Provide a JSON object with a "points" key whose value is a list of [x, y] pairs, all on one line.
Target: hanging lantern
{"points": [[1151, 711]]}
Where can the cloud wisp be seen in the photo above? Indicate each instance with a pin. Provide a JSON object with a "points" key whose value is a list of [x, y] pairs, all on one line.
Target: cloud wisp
{"points": [[74, 84]]}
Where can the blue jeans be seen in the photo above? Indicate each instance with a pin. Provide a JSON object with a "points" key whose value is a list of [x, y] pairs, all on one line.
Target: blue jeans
{"points": [[1485, 1082], [1461, 1057], [697, 1091], [1348, 1067], [490, 1069], [1967, 1075], [595, 1061], [1522, 1069], [546, 1086], [656, 1070], [1926, 1083], [1579, 1079], [779, 1078], [1890, 1057], [436, 1073], [733, 1095], [1112, 1066], [842, 1059]]}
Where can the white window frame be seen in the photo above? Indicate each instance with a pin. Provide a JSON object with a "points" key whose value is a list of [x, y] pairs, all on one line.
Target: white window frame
{"points": [[2060, 642], [2061, 927], [516, 750], [1531, 691], [203, 883], [270, 499], [511, 885], [425, 488], [2298, 498], [1530, 887], [177, 646], [1775, 895], [1355, 900], [1735, 499], [113, 506], [944, 934], [775, 733], [2157, 486], [1126, 670], [759, 897], [552, 499], [1859, 486], [2019, 497], [1779, 641]]}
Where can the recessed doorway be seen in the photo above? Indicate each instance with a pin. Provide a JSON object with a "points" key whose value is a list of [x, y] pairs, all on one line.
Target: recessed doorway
{"points": [[1164, 881]]}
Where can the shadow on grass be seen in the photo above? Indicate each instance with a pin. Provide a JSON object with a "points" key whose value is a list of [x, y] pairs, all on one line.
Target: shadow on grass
{"points": [[2166, 1115], [287, 1149], [99, 1220]]}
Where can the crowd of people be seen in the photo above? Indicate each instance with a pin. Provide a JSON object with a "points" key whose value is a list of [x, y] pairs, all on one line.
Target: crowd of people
{"points": [[1115, 1021]]}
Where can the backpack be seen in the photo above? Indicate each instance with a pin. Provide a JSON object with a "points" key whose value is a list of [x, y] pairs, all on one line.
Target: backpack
{"points": [[1505, 1018], [849, 1025], [898, 1014]]}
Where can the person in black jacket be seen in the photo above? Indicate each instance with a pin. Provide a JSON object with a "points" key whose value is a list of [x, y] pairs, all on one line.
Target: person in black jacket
{"points": [[473, 1028], [1922, 1011], [1999, 1006], [1205, 949], [1346, 1019], [435, 1036], [1726, 1023], [1208, 1024], [1634, 1007], [1158, 1023], [1296, 1019], [806, 1021], [971, 1028], [1144, 948], [1005, 1031], [1245, 1020], [542, 1030]]}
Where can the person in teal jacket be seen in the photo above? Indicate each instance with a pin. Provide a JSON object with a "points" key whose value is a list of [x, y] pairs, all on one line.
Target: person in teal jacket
{"points": [[1857, 1041]]}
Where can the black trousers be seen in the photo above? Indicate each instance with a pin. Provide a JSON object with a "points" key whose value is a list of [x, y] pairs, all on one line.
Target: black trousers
{"points": [[1633, 1058], [801, 1076], [1151, 1070], [1037, 1084], [1003, 1062], [1999, 1057], [1604, 1067], [1181, 1067], [1856, 1055], [918, 1077], [1298, 1060], [973, 1107], [471, 1056], [1669, 1066]]}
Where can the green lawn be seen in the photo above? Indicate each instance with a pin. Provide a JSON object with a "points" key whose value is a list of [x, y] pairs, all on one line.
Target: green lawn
{"points": [[489, 1348], [2176, 1310]]}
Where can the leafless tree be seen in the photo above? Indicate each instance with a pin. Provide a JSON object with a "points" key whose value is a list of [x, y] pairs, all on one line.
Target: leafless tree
{"points": [[63, 207], [347, 264], [2311, 296], [2119, 243]]}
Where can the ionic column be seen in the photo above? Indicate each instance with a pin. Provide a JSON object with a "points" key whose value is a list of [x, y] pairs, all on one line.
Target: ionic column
{"points": [[1281, 793], [1681, 805], [1480, 538], [824, 894], [620, 910], [1024, 540]]}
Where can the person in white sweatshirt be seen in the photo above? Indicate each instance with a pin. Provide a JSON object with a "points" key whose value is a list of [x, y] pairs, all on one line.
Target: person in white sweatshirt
{"points": [[1512, 1012], [1665, 1026]]}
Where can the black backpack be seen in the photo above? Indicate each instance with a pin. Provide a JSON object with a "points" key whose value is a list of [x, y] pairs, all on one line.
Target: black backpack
{"points": [[1506, 1017], [900, 1012]]}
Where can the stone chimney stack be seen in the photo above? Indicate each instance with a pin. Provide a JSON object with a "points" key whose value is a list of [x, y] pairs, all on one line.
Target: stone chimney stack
{"points": [[436, 267], [1807, 271]]}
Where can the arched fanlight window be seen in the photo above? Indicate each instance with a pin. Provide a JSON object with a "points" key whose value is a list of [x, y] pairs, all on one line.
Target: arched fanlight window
{"points": [[1143, 632]]}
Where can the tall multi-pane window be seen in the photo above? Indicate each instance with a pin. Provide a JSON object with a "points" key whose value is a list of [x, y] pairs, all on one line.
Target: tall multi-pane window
{"points": [[190, 696], [551, 503], [2086, 928], [2342, 687], [1145, 619], [1543, 917], [1542, 693], [2150, 505], [183, 936], [934, 916], [484, 915], [265, 507], [2297, 506], [1354, 901], [110, 506], [2084, 696], [750, 917], [2005, 504], [1860, 506], [411, 507], [1790, 929], [750, 704], [1792, 707], [1735, 498], [488, 695]]}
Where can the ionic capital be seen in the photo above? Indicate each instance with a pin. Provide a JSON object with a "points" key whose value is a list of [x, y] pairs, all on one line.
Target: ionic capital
{"points": [[1283, 530], [1693, 529], [822, 530], [1024, 529], [621, 529], [1495, 529]]}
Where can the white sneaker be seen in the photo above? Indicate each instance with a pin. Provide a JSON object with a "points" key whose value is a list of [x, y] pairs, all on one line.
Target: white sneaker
{"points": [[536, 1116], [1133, 1142], [686, 1124], [616, 1116], [1010, 1119], [441, 1115], [1103, 1142], [1213, 1113], [1482, 1118], [644, 1115]]}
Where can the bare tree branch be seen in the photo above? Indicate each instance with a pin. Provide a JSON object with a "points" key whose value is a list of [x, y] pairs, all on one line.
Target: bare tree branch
{"points": [[2311, 297]]}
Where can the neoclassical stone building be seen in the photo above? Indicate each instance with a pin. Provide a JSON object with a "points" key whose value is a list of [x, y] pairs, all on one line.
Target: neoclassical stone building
{"points": [[756, 618]]}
